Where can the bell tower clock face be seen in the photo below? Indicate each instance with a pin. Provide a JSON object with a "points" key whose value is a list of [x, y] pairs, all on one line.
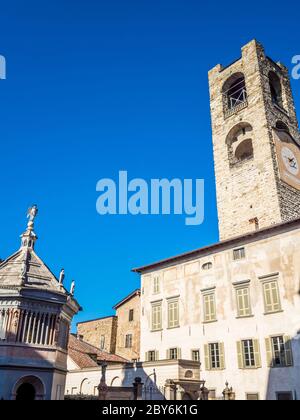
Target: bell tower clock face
{"points": [[290, 161], [288, 154]]}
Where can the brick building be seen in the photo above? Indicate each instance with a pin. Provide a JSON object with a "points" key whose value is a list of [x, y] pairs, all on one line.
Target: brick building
{"points": [[119, 334]]}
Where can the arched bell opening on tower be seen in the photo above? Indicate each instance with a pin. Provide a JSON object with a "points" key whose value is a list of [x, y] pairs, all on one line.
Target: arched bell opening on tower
{"points": [[283, 133], [281, 126], [275, 89], [234, 92], [244, 151], [240, 144]]}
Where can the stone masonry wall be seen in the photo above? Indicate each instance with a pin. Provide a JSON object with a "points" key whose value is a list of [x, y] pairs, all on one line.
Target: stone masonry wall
{"points": [[91, 332], [129, 327]]}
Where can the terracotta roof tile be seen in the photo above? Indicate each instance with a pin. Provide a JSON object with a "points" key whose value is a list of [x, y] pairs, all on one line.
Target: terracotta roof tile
{"points": [[85, 355]]}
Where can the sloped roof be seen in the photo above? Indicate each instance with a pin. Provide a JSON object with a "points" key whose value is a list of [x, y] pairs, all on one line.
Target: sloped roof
{"points": [[26, 269], [127, 298], [85, 355]]}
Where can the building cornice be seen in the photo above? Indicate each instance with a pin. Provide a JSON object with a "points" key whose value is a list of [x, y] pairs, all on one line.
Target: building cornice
{"points": [[221, 246]]}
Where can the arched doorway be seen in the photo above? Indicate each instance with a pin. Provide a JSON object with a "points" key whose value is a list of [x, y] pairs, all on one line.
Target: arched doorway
{"points": [[26, 392], [28, 388]]}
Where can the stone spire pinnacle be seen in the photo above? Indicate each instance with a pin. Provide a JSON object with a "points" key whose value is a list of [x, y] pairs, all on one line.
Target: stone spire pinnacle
{"points": [[29, 237]]}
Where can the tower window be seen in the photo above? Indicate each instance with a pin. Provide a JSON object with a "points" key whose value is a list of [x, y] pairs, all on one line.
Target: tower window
{"points": [[281, 126], [234, 93], [240, 144], [244, 151], [275, 89]]}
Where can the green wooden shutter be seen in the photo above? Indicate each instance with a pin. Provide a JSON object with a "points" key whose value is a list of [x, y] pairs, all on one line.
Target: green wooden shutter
{"points": [[160, 317], [222, 355], [146, 356], [168, 354], [206, 357], [240, 354], [257, 353], [275, 296], [206, 308], [268, 297], [213, 307], [269, 352], [247, 303], [179, 353], [288, 351], [156, 355], [170, 315]]}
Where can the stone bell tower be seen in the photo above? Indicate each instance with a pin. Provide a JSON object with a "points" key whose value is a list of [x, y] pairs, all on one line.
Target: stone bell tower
{"points": [[256, 143]]}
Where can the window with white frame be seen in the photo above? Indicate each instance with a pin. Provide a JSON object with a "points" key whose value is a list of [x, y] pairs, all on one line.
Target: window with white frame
{"points": [[279, 351], [196, 355], [173, 313], [173, 353], [207, 266], [248, 352], [214, 355], [239, 254], [151, 356]]}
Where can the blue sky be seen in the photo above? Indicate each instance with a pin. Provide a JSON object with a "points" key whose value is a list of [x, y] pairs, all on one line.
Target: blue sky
{"points": [[95, 87]]}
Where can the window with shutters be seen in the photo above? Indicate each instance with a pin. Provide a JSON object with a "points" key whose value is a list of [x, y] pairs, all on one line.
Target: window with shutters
{"points": [[248, 350], [279, 351], [209, 307], [128, 341], [248, 353], [173, 314], [271, 297], [239, 254], [156, 316], [173, 354], [151, 356], [243, 301], [214, 356], [156, 285], [196, 355]]}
